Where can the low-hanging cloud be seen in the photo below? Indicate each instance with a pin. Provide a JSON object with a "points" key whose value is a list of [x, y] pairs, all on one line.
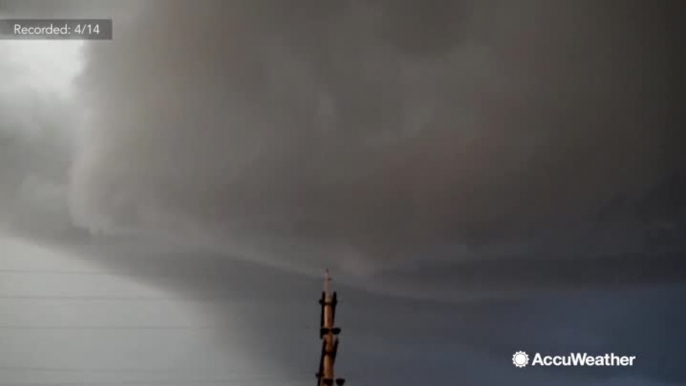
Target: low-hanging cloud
{"points": [[370, 135], [528, 146], [361, 130]]}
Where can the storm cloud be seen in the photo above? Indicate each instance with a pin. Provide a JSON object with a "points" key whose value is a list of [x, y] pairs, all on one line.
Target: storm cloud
{"points": [[527, 152], [360, 136], [357, 134]]}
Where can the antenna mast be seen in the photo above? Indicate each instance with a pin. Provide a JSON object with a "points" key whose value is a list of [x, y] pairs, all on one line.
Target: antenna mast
{"points": [[328, 333]]}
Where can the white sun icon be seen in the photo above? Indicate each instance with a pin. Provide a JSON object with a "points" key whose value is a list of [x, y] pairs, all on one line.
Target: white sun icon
{"points": [[520, 359]]}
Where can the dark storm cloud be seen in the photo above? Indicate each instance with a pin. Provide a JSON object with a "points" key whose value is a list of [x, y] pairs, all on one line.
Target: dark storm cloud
{"points": [[524, 146], [501, 140], [364, 133]]}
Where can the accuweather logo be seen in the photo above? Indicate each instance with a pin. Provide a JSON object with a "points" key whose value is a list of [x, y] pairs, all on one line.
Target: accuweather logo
{"points": [[521, 359]]}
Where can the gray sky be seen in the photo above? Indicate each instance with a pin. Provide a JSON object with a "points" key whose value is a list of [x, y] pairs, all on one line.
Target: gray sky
{"points": [[481, 162]]}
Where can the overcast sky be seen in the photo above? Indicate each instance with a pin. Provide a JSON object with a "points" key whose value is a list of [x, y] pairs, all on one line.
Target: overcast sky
{"points": [[481, 176]]}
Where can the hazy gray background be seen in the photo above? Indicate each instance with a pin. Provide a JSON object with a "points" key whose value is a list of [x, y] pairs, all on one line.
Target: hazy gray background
{"points": [[482, 177]]}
